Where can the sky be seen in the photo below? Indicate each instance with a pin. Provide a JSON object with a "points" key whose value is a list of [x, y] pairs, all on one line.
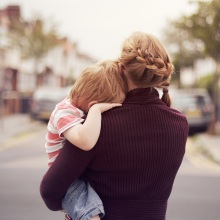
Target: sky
{"points": [[99, 27]]}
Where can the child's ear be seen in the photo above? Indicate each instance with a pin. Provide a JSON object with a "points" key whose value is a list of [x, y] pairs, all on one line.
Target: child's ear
{"points": [[91, 104]]}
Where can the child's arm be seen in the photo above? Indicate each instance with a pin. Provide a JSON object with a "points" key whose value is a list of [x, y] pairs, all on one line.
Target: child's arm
{"points": [[86, 135]]}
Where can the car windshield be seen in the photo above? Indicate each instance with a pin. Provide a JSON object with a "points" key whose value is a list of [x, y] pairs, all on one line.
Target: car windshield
{"points": [[201, 100], [52, 94], [184, 101]]}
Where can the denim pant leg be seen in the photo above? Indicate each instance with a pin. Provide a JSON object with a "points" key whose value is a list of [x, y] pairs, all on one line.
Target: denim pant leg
{"points": [[81, 202]]}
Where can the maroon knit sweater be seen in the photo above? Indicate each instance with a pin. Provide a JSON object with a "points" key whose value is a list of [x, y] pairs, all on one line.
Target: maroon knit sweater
{"points": [[134, 163]]}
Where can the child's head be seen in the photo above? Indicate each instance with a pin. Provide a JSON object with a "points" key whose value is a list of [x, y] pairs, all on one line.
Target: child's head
{"points": [[101, 82], [147, 62]]}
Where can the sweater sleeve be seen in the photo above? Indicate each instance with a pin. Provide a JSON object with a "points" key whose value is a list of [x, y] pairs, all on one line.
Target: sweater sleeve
{"points": [[68, 166]]}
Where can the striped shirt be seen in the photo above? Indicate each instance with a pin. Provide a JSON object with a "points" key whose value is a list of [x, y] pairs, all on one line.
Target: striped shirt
{"points": [[64, 116]]}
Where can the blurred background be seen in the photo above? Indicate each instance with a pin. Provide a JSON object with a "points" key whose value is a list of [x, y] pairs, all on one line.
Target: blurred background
{"points": [[44, 45]]}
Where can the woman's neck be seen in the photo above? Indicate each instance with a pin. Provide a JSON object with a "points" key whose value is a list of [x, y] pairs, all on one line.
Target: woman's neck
{"points": [[131, 85]]}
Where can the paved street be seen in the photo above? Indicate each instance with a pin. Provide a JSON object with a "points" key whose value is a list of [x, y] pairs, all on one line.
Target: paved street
{"points": [[195, 195], [22, 166]]}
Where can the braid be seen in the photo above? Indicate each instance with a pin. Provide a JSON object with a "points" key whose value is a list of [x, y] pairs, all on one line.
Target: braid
{"points": [[166, 97], [147, 63], [155, 68]]}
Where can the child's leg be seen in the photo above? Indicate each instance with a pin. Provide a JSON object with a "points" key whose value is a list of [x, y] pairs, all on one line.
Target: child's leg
{"points": [[82, 202], [97, 217], [67, 217]]}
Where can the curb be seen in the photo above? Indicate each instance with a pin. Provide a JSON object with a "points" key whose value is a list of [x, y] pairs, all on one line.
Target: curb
{"points": [[15, 129], [16, 140], [201, 156]]}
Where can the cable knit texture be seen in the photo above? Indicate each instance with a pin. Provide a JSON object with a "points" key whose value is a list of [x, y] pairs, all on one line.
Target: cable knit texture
{"points": [[134, 163]]}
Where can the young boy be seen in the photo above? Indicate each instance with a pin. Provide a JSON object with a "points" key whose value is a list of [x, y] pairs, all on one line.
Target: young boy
{"points": [[99, 88]]}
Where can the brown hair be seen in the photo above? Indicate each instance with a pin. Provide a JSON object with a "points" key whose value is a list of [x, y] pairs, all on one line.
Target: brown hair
{"points": [[102, 82], [147, 63]]}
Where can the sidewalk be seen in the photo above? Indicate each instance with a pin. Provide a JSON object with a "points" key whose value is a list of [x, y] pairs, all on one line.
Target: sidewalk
{"points": [[12, 126], [208, 146], [204, 149]]}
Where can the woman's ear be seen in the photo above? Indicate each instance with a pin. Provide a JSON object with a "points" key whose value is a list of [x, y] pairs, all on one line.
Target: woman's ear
{"points": [[92, 103]]}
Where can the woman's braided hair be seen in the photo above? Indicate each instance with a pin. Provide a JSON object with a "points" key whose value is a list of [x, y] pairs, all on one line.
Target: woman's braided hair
{"points": [[147, 63]]}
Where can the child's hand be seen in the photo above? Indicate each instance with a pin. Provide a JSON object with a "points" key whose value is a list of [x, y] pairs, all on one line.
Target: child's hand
{"points": [[105, 106]]}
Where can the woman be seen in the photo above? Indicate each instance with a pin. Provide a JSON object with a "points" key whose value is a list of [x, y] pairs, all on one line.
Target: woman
{"points": [[141, 144]]}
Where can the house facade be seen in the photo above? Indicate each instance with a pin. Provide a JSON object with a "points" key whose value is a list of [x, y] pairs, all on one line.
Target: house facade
{"points": [[20, 77]]}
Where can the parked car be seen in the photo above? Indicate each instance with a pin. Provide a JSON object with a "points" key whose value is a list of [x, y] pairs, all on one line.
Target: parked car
{"points": [[196, 105], [45, 99]]}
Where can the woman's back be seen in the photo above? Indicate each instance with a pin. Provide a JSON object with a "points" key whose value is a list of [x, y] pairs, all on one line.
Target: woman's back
{"points": [[138, 154], [141, 144]]}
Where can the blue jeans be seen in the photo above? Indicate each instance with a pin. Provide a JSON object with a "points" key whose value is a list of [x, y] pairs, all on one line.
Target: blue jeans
{"points": [[81, 202]]}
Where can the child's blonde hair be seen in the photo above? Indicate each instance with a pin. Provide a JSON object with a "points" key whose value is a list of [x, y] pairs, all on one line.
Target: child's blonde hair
{"points": [[101, 82], [147, 63]]}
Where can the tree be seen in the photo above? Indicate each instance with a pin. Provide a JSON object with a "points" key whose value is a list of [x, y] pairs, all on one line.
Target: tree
{"points": [[33, 39], [206, 82], [203, 27], [185, 50]]}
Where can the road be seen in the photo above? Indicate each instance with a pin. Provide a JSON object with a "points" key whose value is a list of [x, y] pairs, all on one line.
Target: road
{"points": [[21, 169], [195, 195]]}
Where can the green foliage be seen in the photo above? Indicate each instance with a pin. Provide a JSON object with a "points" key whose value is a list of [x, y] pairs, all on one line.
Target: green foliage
{"points": [[33, 39], [195, 36], [198, 35], [185, 49], [205, 82], [204, 26]]}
